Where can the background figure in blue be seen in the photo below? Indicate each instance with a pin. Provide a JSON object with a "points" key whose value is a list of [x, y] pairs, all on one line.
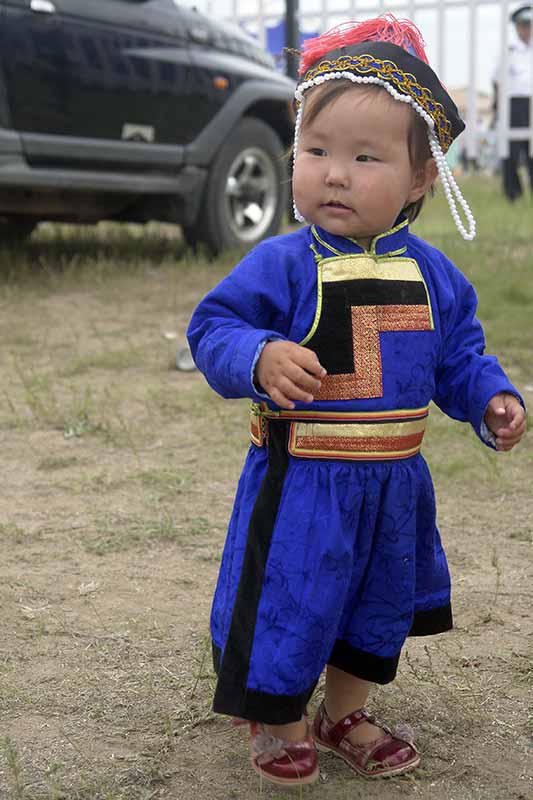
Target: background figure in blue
{"points": [[276, 41], [519, 86]]}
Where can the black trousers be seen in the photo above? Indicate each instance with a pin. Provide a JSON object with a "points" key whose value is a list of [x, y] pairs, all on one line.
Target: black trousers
{"points": [[519, 151]]}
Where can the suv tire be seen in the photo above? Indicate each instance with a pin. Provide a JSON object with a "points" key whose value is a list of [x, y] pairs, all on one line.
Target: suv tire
{"points": [[14, 231], [246, 191]]}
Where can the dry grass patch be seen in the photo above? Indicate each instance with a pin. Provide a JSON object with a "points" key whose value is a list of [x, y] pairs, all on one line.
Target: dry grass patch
{"points": [[118, 478]]}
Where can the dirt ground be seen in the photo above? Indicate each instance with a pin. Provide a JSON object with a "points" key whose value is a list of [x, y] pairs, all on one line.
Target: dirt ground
{"points": [[118, 474]]}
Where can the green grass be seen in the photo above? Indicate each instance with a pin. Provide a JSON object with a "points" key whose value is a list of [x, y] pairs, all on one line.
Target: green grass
{"points": [[117, 533], [52, 463], [12, 532], [112, 360], [166, 481], [498, 262]]}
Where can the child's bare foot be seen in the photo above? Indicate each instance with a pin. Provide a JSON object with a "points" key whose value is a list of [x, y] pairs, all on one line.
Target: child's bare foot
{"points": [[364, 733]]}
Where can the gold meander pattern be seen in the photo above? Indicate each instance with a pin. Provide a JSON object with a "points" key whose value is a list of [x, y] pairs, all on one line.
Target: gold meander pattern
{"points": [[403, 81]]}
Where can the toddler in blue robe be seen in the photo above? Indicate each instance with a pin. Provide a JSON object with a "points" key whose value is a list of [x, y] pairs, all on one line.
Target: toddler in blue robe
{"points": [[341, 334]]}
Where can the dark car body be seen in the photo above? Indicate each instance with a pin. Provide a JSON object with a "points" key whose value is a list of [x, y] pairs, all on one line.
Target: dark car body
{"points": [[137, 110]]}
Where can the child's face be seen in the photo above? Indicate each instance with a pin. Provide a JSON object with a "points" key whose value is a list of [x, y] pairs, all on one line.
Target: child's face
{"points": [[352, 173]]}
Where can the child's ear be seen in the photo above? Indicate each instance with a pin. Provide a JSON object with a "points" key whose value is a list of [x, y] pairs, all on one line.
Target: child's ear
{"points": [[423, 180]]}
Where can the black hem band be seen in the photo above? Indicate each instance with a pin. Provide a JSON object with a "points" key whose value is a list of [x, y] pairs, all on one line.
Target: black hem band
{"points": [[363, 665], [271, 709], [436, 620]]}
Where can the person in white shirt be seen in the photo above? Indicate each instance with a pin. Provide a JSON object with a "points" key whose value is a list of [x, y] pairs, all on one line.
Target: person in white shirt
{"points": [[520, 88]]}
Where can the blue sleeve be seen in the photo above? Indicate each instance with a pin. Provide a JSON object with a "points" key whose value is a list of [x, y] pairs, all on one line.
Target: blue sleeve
{"points": [[249, 307], [467, 378]]}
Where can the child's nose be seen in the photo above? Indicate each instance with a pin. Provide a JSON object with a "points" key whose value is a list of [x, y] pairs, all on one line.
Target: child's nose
{"points": [[336, 175]]}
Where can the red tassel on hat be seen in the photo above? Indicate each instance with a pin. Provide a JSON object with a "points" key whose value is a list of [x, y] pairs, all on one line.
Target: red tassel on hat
{"points": [[385, 28]]}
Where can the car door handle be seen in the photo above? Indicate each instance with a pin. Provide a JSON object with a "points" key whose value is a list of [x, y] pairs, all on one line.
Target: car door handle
{"points": [[199, 34], [43, 7]]}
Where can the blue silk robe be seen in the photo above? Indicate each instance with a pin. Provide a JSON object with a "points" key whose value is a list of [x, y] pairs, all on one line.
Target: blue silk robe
{"points": [[331, 560]]}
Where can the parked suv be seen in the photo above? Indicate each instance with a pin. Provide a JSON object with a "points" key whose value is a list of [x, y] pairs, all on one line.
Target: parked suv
{"points": [[139, 110]]}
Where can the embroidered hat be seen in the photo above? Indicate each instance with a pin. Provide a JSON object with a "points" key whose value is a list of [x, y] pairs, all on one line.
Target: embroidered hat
{"points": [[522, 14], [390, 53]]}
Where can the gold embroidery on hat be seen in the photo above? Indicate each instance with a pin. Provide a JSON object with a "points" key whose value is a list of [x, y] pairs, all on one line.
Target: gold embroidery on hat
{"points": [[406, 82]]}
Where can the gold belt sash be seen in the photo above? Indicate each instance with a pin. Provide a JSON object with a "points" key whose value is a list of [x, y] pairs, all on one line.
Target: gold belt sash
{"points": [[372, 435]]}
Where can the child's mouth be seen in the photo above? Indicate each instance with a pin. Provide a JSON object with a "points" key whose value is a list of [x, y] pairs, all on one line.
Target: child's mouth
{"points": [[336, 206]]}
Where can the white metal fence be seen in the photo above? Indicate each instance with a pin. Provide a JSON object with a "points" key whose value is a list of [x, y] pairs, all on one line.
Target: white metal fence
{"points": [[319, 15]]}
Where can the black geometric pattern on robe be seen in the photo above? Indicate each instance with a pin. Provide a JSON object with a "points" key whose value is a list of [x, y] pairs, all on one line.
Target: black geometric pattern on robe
{"points": [[333, 340]]}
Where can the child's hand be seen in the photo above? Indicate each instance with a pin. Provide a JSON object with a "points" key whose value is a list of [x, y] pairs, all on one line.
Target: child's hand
{"points": [[506, 418], [287, 372]]}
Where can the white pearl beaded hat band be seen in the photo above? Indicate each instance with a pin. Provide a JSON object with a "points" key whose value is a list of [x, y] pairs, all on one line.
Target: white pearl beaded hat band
{"points": [[443, 136]]}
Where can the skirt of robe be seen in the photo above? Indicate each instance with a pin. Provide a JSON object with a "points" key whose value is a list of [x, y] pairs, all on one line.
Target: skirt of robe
{"points": [[325, 562]]}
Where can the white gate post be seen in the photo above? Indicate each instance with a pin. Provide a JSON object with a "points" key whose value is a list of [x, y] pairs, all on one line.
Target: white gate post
{"points": [[472, 138], [503, 88]]}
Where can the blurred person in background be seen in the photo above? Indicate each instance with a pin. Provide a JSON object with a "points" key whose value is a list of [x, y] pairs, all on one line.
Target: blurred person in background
{"points": [[519, 87]]}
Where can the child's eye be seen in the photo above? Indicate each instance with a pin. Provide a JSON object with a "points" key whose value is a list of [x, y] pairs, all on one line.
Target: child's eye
{"points": [[317, 151], [363, 157]]}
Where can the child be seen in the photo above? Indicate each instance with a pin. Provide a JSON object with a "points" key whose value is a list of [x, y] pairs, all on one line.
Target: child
{"points": [[342, 333]]}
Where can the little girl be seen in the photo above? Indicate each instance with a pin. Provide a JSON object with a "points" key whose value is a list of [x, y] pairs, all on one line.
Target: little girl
{"points": [[342, 333]]}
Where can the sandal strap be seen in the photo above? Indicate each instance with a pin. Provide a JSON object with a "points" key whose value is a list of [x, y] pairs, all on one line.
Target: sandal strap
{"points": [[343, 727], [385, 743]]}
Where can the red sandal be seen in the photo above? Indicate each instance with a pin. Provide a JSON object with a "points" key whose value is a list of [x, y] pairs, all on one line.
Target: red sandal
{"points": [[390, 754], [281, 761]]}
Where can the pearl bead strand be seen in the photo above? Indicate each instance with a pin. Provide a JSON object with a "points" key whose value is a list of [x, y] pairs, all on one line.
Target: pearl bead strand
{"points": [[451, 188]]}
